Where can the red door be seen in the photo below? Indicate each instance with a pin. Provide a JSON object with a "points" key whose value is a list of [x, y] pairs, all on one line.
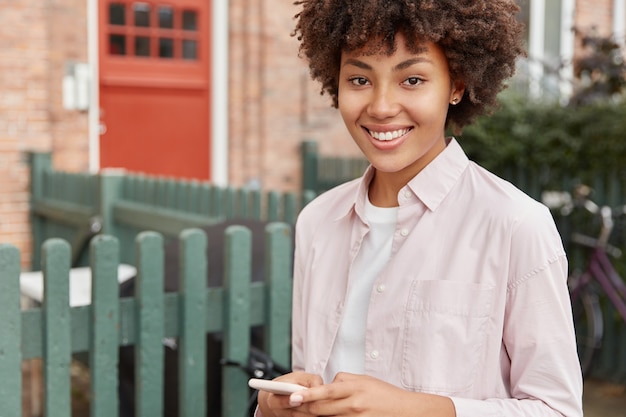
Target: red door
{"points": [[154, 86]]}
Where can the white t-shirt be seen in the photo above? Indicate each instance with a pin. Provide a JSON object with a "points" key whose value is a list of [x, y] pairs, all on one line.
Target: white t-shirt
{"points": [[348, 354]]}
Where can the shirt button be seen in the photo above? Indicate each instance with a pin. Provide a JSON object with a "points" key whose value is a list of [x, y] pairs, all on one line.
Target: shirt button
{"points": [[374, 354], [404, 232], [408, 194], [381, 288]]}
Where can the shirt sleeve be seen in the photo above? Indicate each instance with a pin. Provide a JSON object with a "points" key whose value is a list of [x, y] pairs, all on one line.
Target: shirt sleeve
{"points": [[545, 377]]}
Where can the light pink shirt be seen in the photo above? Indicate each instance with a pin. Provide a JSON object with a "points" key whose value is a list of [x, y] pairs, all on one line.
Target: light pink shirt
{"points": [[473, 303]]}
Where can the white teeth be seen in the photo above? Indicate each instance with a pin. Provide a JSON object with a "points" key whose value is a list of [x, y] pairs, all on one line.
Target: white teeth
{"points": [[388, 135]]}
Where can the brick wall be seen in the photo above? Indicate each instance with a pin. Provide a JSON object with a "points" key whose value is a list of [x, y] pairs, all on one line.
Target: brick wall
{"points": [[274, 105], [36, 39], [593, 16], [24, 117], [596, 14], [67, 22]]}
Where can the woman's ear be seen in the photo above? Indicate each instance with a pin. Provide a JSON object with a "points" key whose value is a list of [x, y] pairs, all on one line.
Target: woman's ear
{"points": [[458, 89]]}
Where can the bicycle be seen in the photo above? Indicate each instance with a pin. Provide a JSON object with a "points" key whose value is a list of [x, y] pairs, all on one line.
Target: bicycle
{"points": [[599, 276], [259, 365]]}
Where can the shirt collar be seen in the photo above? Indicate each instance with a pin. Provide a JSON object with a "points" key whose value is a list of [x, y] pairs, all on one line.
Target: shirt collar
{"points": [[435, 181], [431, 185]]}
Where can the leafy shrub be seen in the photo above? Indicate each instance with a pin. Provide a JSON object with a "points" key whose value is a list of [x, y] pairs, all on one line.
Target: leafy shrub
{"points": [[552, 143]]}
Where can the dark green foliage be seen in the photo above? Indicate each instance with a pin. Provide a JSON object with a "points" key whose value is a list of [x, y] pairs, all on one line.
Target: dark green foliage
{"points": [[555, 142]]}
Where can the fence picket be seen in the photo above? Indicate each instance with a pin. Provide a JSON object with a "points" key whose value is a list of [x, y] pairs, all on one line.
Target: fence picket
{"points": [[192, 341], [217, 202], [237, 273], [229, 206], [193, 198], [103, 353], [256, 205], [290, 209], [278, 268], [273, 204], [204, 202], [149, 305], [57, 356], [10, 333]]}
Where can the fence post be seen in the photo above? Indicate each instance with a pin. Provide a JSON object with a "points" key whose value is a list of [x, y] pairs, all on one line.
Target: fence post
{"points": [[192, 338], [273, 206], [237, 272], [111, 191], [57, 337], [278, 243], [309, 165], [39, 164], [150, 325], [104, 346], [289, 208], [10, 333]]}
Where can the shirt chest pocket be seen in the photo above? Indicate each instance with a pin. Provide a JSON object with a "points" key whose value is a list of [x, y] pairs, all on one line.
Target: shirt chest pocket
{"points": [[445, 335]]}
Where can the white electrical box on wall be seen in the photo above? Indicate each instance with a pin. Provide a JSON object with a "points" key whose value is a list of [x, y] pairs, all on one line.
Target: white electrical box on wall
{"points": [[76, 86]]}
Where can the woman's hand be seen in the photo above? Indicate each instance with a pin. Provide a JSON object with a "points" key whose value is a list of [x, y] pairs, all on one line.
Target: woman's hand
{"points": [[274, 405], [352, 395]]}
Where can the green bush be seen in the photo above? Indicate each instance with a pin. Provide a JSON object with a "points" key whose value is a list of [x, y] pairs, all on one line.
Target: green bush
{"points": [[551, 145]]}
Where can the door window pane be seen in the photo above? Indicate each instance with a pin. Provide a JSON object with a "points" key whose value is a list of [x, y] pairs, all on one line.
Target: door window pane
{"points": [[190, 49], [117, 14], [142, 46], [189, 20], [117, 44], [142, 14], [166, 17], [166, 48]]}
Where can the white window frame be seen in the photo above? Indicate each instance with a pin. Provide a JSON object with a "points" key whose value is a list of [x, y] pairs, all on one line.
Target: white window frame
{"points": [[619, 21], [537, 48]]}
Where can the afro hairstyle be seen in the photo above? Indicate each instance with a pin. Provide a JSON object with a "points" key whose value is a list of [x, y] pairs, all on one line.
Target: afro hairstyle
{"points": [[481, 40]]}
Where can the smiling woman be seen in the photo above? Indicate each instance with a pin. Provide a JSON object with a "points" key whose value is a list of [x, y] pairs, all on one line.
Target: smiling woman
{"points": [[423, 288]]}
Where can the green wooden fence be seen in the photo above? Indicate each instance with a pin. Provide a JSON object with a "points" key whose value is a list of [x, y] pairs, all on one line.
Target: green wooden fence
{"points": [[55, 331], [76, 206], [322, 172]]}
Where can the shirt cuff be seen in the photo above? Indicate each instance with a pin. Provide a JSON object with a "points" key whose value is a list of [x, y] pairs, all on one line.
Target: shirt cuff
{"points": [[466, 407]]}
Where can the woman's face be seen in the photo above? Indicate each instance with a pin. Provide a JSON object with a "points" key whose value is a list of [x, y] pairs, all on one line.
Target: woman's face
{"points": [[395, 106]]}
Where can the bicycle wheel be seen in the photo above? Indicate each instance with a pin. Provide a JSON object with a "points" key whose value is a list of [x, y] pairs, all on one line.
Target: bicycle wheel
{"points": [[588, 325]]}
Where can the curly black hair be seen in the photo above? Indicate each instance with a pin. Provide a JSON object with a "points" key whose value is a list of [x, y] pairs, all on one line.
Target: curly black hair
{"points": [[480, 38]]}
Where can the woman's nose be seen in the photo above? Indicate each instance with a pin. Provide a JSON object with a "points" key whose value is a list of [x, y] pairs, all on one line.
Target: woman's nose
{"points": [[383, 104]]}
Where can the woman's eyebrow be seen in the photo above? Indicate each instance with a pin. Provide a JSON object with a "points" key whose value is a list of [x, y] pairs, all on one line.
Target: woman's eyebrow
{"points": [[357, 63], [409, 62], [402, 65]]}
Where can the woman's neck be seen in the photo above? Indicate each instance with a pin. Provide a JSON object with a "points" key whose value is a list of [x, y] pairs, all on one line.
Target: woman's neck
{"points": [[384, 189]]}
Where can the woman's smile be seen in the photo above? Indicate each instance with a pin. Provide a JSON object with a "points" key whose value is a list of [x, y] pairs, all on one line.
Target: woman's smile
{"points": [[389, 134]]}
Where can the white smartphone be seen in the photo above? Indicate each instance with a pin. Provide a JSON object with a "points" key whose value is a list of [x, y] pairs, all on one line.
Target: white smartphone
{"points": [[276, 387]]}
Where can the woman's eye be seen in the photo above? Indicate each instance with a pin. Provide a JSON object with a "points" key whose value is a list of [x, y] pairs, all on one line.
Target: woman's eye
{"points": [[413, 81], [358, 81]]}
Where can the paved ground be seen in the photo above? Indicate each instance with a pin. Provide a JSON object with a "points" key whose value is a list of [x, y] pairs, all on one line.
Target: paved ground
{"points": [[604, 399]]}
